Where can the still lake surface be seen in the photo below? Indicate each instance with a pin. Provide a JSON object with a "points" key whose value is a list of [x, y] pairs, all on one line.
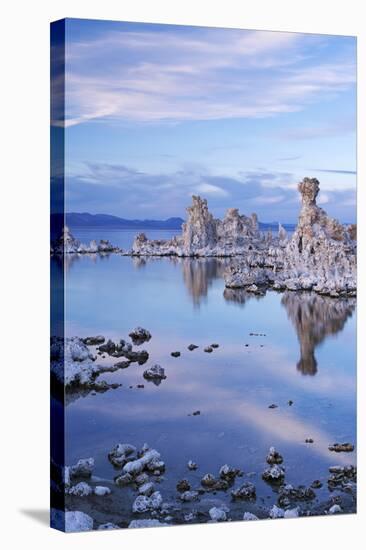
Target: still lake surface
{"points": [[305, 351]]}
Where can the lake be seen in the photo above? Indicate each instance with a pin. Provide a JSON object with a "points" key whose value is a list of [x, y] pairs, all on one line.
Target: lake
{"points": [[281, 347]]}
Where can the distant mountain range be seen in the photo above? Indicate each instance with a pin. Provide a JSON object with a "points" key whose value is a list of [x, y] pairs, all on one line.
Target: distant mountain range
{"points": [[84, 219], [75, 219]]}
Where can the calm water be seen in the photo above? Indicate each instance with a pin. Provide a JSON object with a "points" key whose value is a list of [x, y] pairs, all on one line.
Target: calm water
{"points": [[307, 355]]}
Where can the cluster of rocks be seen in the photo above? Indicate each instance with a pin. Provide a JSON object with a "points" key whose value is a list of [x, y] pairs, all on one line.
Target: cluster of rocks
{"points": [[67, 244], [142, 469], [83, 469], [74, 366], [320, 256]]}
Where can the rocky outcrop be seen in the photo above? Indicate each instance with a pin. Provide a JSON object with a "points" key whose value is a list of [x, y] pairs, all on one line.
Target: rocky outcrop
{"points": [[205, 236], [320, 256], [67, 244]]}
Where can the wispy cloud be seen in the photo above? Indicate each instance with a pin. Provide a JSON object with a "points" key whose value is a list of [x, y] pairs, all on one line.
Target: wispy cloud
{"points": [[205, 74], [329, 171]]}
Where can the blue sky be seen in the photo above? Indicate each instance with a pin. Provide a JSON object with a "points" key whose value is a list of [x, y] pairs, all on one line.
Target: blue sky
{"points": [[156, 113]]}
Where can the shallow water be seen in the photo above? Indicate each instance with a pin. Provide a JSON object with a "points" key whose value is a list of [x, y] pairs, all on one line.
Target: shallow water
{"points": [[306, 353]]}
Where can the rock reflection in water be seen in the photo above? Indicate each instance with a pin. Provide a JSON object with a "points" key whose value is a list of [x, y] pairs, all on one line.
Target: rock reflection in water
{"points": [[240, 296], [315, 317], [199, 273]]}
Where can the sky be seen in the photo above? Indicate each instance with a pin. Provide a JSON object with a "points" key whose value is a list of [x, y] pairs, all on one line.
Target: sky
{"points": [[157, 113]]}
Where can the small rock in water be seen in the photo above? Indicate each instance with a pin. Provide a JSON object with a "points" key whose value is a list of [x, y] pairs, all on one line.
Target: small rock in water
{"points": [[208, 480], [217, 514], [246, 491], [335, 509], [155, 373], [309, 440], [196, 413], [175, 354], [215, 346], [183, 485], [274, 474], [274, 456], [82, 489], [273, 406], [140, 335], [209, 349], [341, 447], [93, 340], [192, 465], [228, 473], [101, 491], [192, 347], [140, 386], [107, 526], [189, 496], [248, 516], [290, 402]]}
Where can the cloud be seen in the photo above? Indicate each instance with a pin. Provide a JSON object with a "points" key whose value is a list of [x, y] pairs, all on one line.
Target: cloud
{"points": [[197, 74], [131, 193], [209, 189], [348, 172]]}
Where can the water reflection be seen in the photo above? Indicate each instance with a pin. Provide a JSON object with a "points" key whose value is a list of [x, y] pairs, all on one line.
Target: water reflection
{"points": [[240, 296], [315, 317], [198, 275]]}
